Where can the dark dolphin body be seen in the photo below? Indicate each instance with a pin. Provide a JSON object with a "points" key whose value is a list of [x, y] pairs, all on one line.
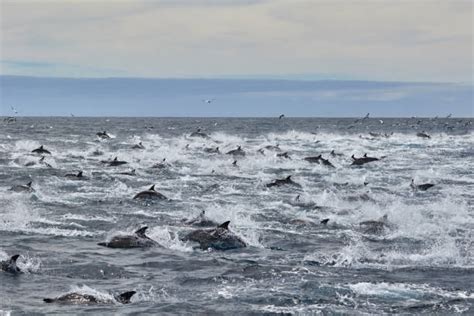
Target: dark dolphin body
{"points": [[212, 150], [219, 238], [41, 150], [280, 182], [137, 240], [423, 135], [138, 146], [421, 187], [77, 298], [319, 159], [237, 152], [78, 176], [10, 265], [103, 135], [23, 188], [40, 161], [201, 221], [284, 155], [198, 133], [150, 194], [362, 160], [116, 162]]}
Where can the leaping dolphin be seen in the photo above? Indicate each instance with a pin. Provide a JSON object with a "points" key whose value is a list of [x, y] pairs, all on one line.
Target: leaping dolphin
{"points": [[138, 240], [78, 298], [150, 194], [41, 150], [103, 135], [219, 238], [10, 265]]}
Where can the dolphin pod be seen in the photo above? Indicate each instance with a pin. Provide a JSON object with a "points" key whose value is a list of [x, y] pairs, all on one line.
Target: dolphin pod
{"points": [[10, 265], [319, 159], [219, 238], [86, 299], [138, 240]]}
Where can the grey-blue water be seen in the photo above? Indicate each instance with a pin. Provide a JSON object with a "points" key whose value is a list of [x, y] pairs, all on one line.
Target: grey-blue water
{"points": [[421, 261]]}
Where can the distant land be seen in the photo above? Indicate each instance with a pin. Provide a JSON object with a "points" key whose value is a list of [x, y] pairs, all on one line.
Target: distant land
{"points": [[39, 96]]}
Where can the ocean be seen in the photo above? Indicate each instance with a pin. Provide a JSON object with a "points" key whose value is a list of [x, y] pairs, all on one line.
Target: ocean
{"points": [[386, 247]]}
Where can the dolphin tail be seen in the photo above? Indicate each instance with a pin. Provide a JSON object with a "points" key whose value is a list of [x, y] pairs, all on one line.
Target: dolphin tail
{"points": [[124, 298], [141, 231], [224, 225], [48, 300]]}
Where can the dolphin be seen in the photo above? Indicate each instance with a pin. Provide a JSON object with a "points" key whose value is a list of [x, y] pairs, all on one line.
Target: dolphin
{"points": [[160, 165], [237, 152], [363, 160], [280, 182], [198, 133], [150, 194], [376, 227], [129, 173], [116, 162], [421, 187], [103, 135], [212, 150], [334, 154], [138, 146], [261, 151], [77, 298], [325, 221], [219, 238], [281, 116], [234, 163], [271, 147], [75, 176], [44, 163], [423, 135], [23, 188], [284, 155], [201, 221], [137, 240], [319, 159], [41, 150], [10, 265]]}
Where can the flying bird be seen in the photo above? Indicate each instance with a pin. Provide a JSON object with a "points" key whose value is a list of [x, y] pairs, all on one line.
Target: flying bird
{"points": [[208, 101], [13, 109]]}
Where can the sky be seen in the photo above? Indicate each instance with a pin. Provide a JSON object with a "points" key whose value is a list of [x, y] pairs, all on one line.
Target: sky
{"points": [[380, 40], [252, 57]]}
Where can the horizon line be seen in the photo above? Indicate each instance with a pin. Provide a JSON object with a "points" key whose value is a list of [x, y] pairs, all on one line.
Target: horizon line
{"points": [[243, 78]]}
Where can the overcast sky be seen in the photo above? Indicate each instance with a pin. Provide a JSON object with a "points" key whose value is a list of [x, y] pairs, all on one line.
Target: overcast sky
{"points": [[388, 40]]}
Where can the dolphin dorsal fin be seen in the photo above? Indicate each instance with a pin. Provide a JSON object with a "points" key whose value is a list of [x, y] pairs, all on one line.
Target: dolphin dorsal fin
{"points": [[29, 184], [13, 259], [79, 174], [353, 157], [115, 159], [288, 178], [124, 298], [224, 225], [202, 213], [41, 147], [152, 188], [239, 148], [332, 151], [365, 155], [141, 231]]}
